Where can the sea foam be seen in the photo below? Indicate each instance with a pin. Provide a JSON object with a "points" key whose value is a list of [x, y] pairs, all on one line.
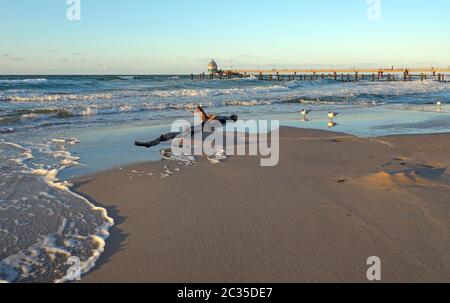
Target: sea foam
{"points": [[42, 222]]}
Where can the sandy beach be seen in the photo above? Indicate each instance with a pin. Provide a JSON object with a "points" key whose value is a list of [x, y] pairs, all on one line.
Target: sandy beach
{"points": [[114, 167], [332, 201]]}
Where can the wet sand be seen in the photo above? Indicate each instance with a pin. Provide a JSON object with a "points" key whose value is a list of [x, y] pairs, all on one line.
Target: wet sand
{"points": [[332, 201]]}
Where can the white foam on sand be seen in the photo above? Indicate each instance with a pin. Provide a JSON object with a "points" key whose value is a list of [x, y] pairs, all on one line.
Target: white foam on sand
{"points": [[43, 222]]}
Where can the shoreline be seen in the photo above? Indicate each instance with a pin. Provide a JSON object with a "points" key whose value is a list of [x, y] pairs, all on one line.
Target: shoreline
{"points": [[362, 121], [185, 228]]}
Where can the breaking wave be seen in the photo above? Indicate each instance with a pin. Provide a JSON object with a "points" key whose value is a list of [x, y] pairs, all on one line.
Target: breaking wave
{"points": [[43, 223], [115, 99], [27, 81], [56, 97], [248, 90]]}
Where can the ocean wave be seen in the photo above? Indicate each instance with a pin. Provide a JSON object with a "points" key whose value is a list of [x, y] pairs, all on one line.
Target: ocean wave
{"points": [[56, 97], [7, 130], [88, 111], [29, 116], [125, 77], [215, 92], [91, 111], [134, 99], [42, 222], [129, 93], [246, 103], [35, 114], [27, 81], [258, 90]]}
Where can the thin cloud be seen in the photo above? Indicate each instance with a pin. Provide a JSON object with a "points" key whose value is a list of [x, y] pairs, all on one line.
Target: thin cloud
{"points": [[52, 51], [9, 57], [18, 59]]}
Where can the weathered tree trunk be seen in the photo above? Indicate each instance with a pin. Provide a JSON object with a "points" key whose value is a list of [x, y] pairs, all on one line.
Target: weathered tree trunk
{"points": [[173, 135], [162, 138]]}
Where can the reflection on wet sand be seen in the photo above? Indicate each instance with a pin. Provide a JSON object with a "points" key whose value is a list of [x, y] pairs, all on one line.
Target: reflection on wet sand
{"points": [[332, 124]]}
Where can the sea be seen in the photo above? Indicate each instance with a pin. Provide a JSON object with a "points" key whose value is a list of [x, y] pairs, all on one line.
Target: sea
{"points": [[56, 128]]}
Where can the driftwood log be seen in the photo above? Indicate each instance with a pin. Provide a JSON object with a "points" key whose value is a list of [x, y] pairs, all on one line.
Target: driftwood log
{"points": [[170, 136]]}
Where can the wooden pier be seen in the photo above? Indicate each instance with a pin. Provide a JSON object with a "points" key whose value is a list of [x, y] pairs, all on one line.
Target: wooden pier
{"points": [[342, 75]]}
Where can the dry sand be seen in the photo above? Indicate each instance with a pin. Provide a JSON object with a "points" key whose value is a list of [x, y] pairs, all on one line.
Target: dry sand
{"points": [[333, 201]]}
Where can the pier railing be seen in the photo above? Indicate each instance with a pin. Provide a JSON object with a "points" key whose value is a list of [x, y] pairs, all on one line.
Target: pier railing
{"points": [[343, 75], [339, 71]]}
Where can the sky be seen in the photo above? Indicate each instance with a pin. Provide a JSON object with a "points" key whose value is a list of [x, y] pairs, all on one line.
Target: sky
{"points": [[181, 36]]}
